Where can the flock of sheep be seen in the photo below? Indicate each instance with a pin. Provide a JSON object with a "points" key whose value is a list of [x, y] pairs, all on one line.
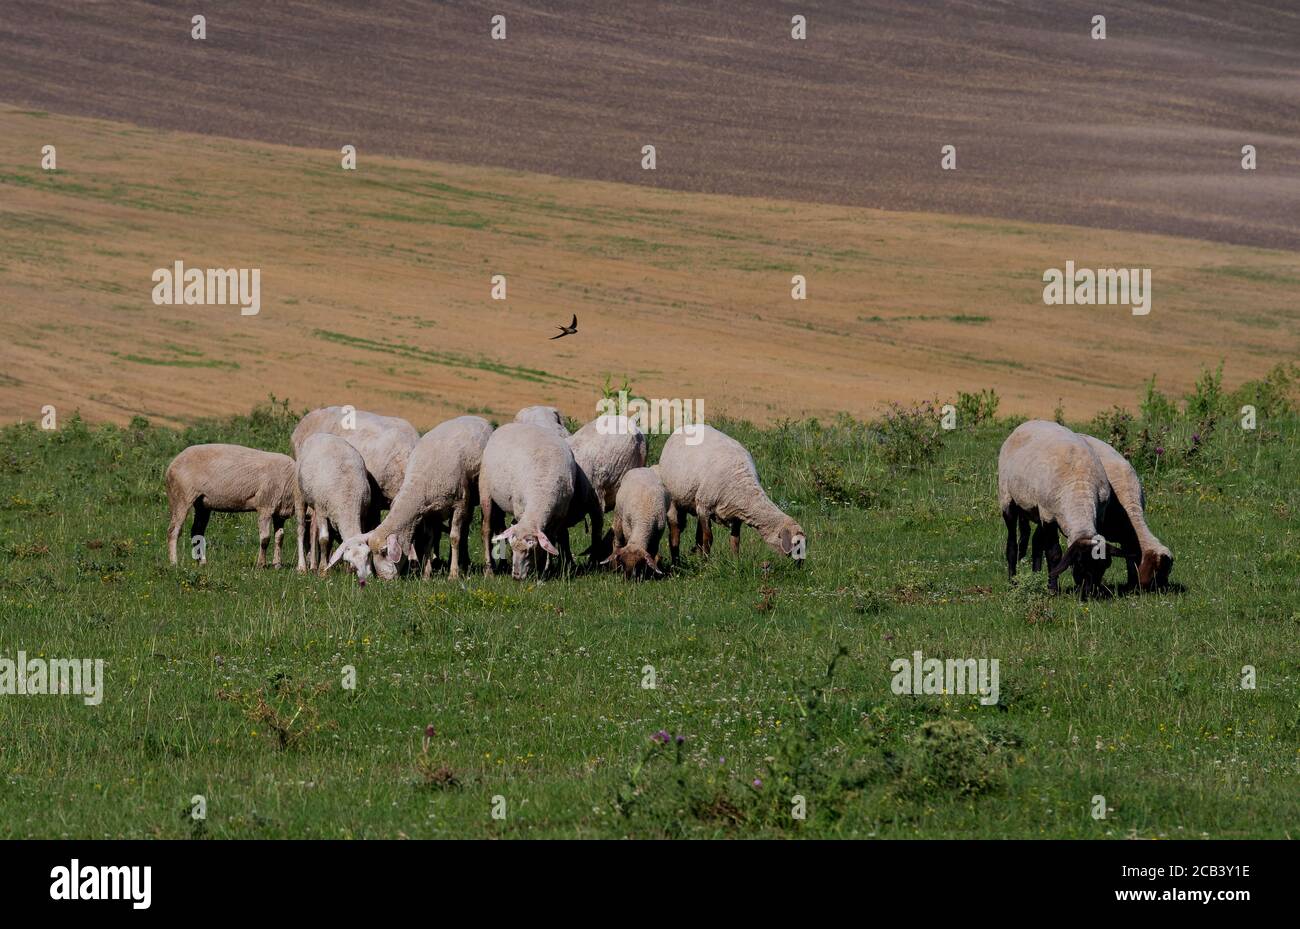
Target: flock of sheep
{"points": [[349, 466]]}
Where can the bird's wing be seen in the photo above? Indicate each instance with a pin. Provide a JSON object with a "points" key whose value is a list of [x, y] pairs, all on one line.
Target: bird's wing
{"points": [[574, 324], [554, 337]]}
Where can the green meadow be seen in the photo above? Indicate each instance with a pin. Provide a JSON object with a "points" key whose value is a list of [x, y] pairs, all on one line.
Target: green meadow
{"points": [[722, 701]]}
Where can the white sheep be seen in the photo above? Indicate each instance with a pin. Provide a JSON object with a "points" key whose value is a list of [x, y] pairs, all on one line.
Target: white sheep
{"points": [[1149, 560], [385, 443], [711, 475], [333, 482], [1049, 475], [548, 417], [528, 471], [233, 479], [607, 448], [442, 477], [640, 517]]}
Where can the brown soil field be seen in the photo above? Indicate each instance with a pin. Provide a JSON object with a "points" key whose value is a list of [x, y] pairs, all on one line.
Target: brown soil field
{"points": [[376, 291], [1141, 131]]}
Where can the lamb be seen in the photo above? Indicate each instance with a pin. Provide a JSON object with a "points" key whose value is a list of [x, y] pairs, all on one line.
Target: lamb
{"points": [[1049, 475], [385, 443], [640, 516], [1149, 561], [442, 479], [233, 479], [710, 474], [528, 471], [548, 417], [607, 448], [332, 480]]}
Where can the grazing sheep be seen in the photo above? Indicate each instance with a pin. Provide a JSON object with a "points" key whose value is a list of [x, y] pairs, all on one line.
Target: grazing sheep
{"points": [[1049, 475], [1149, 561], [607, 448], [640, 516], [442, 478], [385, 443], [233, 479], [548, 417], [710, 474], [333, 482], [528, 471]]}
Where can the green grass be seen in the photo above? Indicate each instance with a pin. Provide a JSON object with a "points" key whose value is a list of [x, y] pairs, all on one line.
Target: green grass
{"points": [[535, 689]]}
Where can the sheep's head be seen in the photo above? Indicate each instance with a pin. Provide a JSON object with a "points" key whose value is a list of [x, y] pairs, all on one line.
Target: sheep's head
{"points": [[1081, 557], [355, 552], [1154, 568], [790, 540], [386, 554], [525, 547], [634, 562]]}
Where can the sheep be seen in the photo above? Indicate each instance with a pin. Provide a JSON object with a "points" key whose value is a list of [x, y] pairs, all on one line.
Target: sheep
{"points": [[528, 471], [548, 417], [640, 516], [710, 474], [333, 482], [442, 479], [1049, 475], [385, 443], [607, 448], [233, 479], [1149, 560]]}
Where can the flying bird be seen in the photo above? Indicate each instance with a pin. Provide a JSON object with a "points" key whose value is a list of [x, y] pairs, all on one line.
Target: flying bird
{"points": [[566, 330]]}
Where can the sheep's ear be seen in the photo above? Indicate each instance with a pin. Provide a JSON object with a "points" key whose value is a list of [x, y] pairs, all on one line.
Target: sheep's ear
{"points": [[1080, 549], [338, 553], [787, 542], [508, 534], [546, 543], [393, 551]]}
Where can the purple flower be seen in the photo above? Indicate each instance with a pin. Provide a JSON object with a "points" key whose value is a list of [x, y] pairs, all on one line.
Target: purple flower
{"points": [[1160, 449], [661, 736], [681, 739], [429, 731], [1196, 438], [758, 783]]}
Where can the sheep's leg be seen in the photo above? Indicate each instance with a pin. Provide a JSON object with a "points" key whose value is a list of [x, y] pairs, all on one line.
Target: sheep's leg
{"points": [[179, 511], [200, 528], [1043, 537], [704, 532], [321, 525], [299, 528], [263, 537], [1009, 517], [278, 523], [457, 528], [467, 517], [735, 536], [492, 518], [675, 520], [1024, 537], [314, 552], [1052, 546], [597, 536]]}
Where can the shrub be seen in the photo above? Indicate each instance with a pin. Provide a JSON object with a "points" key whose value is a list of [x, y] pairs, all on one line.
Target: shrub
{"points": [[909, 436], [973, 409]]}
